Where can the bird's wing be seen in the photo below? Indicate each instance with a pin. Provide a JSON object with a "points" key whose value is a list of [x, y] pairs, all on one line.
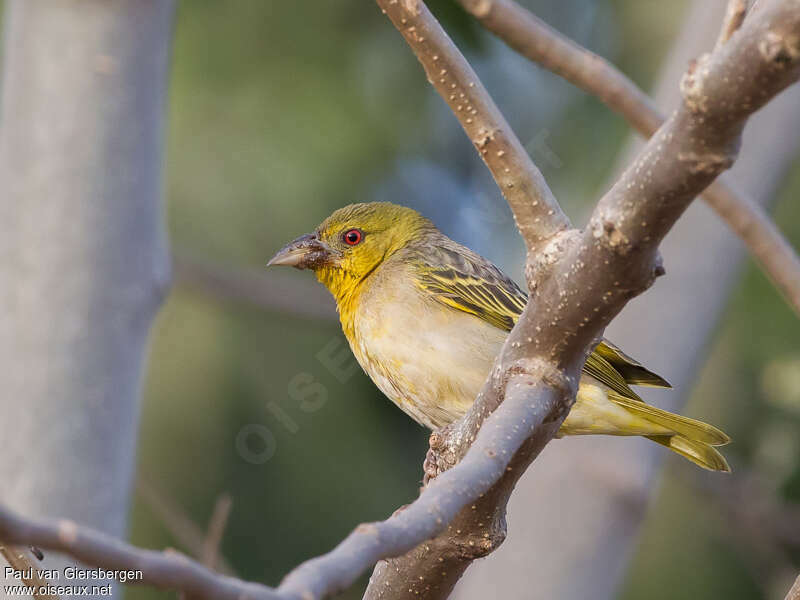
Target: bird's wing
{"points": [[460, 279], [631, 370]]}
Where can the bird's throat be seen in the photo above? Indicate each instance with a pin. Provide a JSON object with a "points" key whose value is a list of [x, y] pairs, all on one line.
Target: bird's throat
{"points": [[346, 290]]}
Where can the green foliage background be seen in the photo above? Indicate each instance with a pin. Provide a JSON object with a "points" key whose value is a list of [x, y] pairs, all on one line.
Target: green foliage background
{"points": [[281, 112]]}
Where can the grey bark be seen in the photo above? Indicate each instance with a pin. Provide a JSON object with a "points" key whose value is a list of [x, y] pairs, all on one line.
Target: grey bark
{"points": [[83, 253], [585, 496]]}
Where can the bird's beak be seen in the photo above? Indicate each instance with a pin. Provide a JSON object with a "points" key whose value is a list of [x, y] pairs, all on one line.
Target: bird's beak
{"points": [[306, 252]]}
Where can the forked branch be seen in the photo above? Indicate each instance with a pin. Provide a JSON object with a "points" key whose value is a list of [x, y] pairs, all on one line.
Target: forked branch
{"points": [[578, 281], [534, 39], [583, 279]]}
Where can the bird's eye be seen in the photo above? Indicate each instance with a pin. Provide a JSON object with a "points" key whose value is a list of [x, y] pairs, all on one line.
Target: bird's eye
{"points": [[353, 237]]}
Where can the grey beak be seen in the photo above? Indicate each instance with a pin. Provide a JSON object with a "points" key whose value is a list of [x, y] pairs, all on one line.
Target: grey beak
{"points": [[306, 252]]}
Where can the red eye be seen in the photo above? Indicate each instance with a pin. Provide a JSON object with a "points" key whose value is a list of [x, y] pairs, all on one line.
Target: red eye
{"points": [[353, 237]]}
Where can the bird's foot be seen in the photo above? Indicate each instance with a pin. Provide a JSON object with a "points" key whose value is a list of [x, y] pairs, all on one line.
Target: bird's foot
{"points": [[439, 457], [429, 466]]}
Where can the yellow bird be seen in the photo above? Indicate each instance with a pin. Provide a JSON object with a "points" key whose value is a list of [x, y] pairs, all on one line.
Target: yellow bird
{"points": [[426, 317]]}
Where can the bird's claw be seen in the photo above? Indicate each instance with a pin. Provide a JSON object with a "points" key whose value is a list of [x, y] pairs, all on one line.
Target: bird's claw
{"points": [[429, 467], [438, 458]]}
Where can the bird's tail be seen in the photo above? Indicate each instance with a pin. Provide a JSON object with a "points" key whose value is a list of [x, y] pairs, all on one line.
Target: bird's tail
{"points": [[692, 439], [599, 410], [702, 454]]}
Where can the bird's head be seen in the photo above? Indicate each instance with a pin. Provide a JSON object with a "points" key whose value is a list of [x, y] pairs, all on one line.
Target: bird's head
{"points": [[352, 242]]}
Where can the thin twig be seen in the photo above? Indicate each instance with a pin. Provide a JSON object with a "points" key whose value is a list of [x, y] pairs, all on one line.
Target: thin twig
{"points": [[216, 529], [735, 13], [165, 570], [534, 39], [175, 520], [536, 211]]}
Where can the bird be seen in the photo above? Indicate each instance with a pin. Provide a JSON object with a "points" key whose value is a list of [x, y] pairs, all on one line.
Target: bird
{"points": [[426, 317]]}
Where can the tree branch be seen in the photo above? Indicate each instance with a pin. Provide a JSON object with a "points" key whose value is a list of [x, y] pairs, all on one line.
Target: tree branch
{"points": [[578, 281], [581, 280], [216, 530], [735, 13], [534, 39], [536, 211], [167, 570], [794, 592], [84, 88], [525, 420], [185, 531]]}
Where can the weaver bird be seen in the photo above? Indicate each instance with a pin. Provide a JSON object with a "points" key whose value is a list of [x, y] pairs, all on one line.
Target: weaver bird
{"points": [[425, 318]]}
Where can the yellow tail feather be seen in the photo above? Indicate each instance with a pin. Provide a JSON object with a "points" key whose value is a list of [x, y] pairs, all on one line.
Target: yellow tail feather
{"points": [[701, 454], [690, 429], [599, 410]]}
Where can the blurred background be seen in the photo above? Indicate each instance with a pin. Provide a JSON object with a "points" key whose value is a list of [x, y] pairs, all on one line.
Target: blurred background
{"points": [[253, 415]]}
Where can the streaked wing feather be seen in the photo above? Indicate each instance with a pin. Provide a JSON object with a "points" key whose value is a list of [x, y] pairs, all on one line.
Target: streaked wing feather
{"points": [[602, 370], [463, 280], [631, 370]]}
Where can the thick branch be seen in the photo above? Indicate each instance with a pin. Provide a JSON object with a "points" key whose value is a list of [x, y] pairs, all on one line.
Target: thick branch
{"points": [[617, 253], [578, 282], [83, 249], [432, 569], [536, 212], [536, 40], [583, 279], [530, 416]]}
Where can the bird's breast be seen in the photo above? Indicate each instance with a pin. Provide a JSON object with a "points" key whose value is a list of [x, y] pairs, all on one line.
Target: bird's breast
{"points": [[429, 359]]}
